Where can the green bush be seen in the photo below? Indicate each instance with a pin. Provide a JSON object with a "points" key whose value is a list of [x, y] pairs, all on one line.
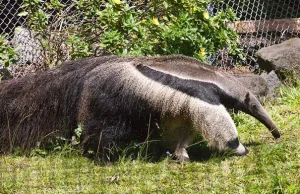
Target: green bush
{"points": [[95, 27], [8, 55]]}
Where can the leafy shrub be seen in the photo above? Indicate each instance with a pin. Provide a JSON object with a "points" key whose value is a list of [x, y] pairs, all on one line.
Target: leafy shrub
{"points": [[7, 54], [94, 27]]}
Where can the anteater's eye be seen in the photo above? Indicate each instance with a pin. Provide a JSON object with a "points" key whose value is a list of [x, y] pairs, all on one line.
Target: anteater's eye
{"points": [[254, 106]]}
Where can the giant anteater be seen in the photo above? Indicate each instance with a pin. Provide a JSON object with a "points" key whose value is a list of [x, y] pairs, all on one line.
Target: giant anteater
{"points": [[121, 98]]}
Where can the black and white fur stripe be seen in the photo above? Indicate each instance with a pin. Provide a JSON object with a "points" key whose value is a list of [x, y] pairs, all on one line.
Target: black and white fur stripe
{"points": [[140, 84]]}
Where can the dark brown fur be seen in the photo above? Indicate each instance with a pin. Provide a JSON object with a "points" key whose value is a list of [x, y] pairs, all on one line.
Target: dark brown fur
{"points": [[41, 105], [47, 104]]}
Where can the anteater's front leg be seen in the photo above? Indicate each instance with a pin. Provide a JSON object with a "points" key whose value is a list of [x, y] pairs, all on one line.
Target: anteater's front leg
{"points": [[177, 136]]}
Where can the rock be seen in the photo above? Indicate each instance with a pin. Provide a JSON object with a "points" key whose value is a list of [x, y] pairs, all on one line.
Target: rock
{"points": [[27, 46], [262, 85], [255, 83], [273, 82], [283, 58]]}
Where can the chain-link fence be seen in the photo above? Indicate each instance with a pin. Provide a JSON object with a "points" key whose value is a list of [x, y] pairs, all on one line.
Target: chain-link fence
{"points": [[8, 16], [262, 23]]}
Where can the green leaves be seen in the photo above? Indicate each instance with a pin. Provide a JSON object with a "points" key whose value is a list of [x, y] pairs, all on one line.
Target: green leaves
{"points": [[174, 28], [28, 3], [8, 55], [23, 13], [117, 27], [79, 48], [55, 4]]}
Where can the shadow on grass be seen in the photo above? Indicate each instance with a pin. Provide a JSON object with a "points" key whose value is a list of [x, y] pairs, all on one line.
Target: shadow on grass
{"points": [[154, 152], [151, 152], [201, 153]]}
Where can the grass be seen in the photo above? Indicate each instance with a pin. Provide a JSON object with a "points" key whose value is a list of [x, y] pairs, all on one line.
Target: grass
{"points": [[272, 166]]}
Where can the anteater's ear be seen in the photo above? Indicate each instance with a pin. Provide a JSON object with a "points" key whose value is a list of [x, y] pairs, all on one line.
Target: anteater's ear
{"points": [[247, 98]]}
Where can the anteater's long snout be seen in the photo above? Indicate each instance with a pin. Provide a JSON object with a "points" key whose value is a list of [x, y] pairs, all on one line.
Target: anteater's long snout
{"points": [[262, 115]]}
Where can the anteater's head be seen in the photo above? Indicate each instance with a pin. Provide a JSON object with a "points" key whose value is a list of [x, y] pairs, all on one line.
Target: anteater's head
{"points": [[253, 107]]}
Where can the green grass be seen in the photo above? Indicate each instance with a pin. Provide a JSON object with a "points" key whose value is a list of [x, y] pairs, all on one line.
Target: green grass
{"points": [[272, 166]]}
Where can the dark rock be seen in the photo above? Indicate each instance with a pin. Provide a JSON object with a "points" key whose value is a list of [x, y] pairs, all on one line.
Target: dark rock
{"points": [[283, 58]]}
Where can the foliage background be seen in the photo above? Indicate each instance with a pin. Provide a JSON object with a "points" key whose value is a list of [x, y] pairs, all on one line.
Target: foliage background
{"points": [[91, 28], [63, 19]]}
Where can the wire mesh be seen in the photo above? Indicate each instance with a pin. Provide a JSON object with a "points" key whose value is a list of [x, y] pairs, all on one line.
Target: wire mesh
{"points": [[9, 19], [262, 23]]}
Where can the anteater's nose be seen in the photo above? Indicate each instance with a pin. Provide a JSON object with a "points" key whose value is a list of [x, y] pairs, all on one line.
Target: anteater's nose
{"points": [[241, 150]]}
